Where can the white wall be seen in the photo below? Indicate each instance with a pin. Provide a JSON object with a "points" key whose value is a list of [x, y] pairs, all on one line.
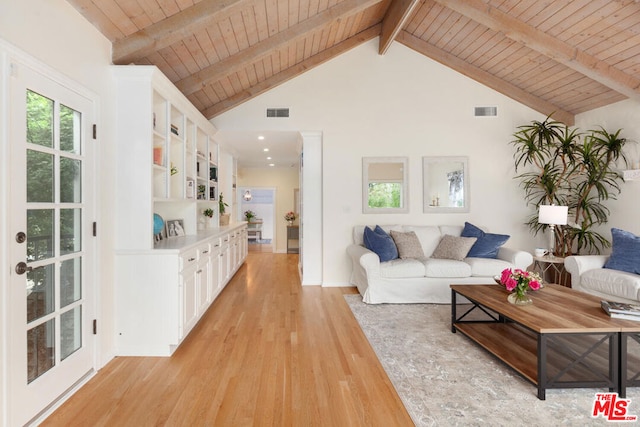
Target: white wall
{"points": [[400, 104], [623, 115], [55, 34]]}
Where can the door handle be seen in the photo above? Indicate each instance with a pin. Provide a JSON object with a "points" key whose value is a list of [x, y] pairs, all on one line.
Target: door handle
{"points": [[22, 267]]}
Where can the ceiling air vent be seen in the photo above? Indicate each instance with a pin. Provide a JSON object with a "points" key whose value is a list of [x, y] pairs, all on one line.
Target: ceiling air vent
{"points": [[485, 111], [277, 112]]}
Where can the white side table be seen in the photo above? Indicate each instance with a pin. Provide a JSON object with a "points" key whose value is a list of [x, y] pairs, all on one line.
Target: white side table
{"points": [[551, 268]]}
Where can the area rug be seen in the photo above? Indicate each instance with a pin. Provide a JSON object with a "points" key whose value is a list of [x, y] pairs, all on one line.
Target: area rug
{"points": [[444, 379]]}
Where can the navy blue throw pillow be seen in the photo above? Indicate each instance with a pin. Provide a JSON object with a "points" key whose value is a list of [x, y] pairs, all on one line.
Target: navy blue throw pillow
{"points": [[625, 254], [487, 245], [381, 243]]}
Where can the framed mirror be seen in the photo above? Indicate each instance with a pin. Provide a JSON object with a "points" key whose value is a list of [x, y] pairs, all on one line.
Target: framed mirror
{"points": [[385, 187], [445, 184]]}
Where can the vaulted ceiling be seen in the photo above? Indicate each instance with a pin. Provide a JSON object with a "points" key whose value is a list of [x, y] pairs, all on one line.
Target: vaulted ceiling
{"points": [[560, 57]]}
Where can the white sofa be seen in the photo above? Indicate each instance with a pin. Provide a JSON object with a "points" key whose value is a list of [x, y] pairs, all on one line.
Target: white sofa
{"points": [[426, 280], [588, 275]]}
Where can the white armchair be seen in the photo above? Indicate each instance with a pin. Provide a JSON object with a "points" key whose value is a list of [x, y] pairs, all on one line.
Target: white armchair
{"points": [[589, 275]]}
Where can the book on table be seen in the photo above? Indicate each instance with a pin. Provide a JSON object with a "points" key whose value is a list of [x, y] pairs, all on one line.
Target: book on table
{"points": [[620, 310]]}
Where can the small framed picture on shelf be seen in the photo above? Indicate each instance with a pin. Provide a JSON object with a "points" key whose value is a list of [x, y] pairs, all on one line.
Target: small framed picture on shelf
{"points": [[175, 228], [191, 189], [158, 158]]}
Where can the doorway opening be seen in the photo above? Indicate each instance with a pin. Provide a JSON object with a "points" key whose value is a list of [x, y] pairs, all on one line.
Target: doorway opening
{"points": [[260, 202]]}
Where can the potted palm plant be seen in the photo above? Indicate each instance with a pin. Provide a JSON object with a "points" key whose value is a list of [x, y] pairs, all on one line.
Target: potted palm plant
{"points": [[568, 168]]}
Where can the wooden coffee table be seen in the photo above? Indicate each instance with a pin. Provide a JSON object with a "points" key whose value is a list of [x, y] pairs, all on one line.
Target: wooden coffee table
{"points": [[562, 340]]}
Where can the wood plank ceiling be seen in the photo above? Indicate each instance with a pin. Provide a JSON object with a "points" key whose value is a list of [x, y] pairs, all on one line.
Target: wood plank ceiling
{"points": [[560, 57]]}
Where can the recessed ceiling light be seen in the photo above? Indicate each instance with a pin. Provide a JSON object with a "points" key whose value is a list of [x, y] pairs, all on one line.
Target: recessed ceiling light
{"points": [[265, 150], [269, 158], [271, 164], [260, 137]]}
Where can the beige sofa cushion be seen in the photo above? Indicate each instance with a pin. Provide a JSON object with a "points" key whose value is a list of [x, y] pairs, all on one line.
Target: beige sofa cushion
{"points": [[451, 247], [402, 268], [446, 268], [487, 267], [408, 244]]}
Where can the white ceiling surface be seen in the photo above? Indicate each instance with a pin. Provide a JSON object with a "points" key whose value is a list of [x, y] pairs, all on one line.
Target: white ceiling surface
{"points": [[284, 148]]}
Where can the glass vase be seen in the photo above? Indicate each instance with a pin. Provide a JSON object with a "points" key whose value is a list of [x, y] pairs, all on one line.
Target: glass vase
{"points": [[517, 298]]}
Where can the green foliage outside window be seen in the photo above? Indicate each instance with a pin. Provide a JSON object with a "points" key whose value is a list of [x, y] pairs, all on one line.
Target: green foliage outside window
{"points": [[385, 194]]}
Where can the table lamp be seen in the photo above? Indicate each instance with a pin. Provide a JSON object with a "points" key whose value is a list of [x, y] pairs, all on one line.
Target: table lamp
{"points": [[553, 215]]}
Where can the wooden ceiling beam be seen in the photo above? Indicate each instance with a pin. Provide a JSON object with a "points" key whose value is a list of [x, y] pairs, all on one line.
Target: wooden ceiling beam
{"points": [[395, 18], [242, 59], [292, 72], [173, 29], [562, 52], [485, 78]]}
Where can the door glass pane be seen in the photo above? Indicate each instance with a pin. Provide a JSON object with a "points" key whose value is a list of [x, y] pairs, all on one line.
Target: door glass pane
{"points": [[40, 229], [70, 331], [40, 349], [39, 120], [69, 130], [39, 177], [40, 292], [70, 281], [70, 235], [69, 180]]}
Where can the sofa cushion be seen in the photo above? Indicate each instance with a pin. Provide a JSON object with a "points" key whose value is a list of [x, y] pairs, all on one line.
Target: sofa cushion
{"points": [[451, 247], [402, 268], [358, 232], [428, 235], [487, 267], [487, 245], [612, 282], [381, 243], [446, 268], [625, 254], [408, 244]]}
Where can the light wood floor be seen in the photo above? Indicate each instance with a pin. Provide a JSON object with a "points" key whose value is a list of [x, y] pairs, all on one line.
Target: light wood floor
{"points": [[268, 352]]}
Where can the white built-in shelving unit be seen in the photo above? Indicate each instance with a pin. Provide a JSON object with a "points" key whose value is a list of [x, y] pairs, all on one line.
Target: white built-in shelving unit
{"points": [[167, 164]]}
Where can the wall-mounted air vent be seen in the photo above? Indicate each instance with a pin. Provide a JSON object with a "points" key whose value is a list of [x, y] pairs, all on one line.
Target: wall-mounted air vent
{"points": [[277, 112], [485, 111]]}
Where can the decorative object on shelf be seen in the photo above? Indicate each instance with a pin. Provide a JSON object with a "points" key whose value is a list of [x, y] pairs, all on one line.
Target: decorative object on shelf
{"points": [[190, 189], [290, 217], [552, 215], [174, 129], [566, 167], [208, 213], [175, 228], [158, 227], [519, 282], [174, 170], [249, 215], [247, 195], [202, 192], [224, 217], [213, 173], [157, 156]]}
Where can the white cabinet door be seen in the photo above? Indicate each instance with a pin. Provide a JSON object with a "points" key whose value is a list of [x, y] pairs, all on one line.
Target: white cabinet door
{"points": [[188, 291], [202, 279], [214, 272]]}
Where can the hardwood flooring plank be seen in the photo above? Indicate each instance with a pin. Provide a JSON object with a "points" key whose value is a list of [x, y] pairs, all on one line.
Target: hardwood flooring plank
{"points": [[267, 352]]}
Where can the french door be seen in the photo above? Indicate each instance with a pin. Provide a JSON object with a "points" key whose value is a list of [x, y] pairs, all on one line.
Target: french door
{"points": [[51, 248]]}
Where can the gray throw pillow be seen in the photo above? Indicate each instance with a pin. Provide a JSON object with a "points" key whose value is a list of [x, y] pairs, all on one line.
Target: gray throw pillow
{"points": [[408, 244], [452, 247]]}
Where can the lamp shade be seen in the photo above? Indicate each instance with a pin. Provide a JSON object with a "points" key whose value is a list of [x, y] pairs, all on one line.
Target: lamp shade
{"points": [[552, 214]]}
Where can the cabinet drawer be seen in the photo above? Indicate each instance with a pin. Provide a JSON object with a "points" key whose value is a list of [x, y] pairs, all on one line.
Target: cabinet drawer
{"points": [[188, 258], [204, 250]]}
